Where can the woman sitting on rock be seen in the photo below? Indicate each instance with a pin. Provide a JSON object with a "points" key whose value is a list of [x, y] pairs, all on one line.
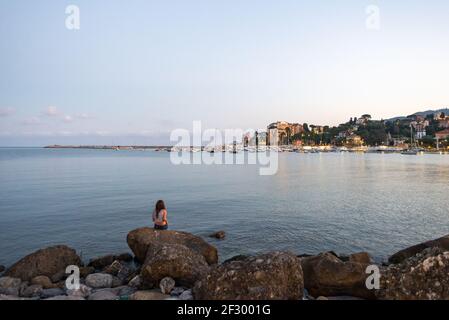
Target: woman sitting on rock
{"points": [[160, 216]]}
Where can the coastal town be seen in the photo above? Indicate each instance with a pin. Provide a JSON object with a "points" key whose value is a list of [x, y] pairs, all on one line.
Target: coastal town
{"points": [[422, 132]]}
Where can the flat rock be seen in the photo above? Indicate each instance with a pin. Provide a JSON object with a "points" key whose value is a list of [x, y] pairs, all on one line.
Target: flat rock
{"points": [[58, 298], [144, 241], [99, 280], [48, 293], [44, 262], [186, 295], [104, 294], [149, 295], [271, 276], [34, 290]]}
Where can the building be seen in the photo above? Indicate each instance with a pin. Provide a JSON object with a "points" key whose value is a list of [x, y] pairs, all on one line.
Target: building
{"points": [[281, 132], [419, 127], [441, 135], [443, 123], [354, 140]]}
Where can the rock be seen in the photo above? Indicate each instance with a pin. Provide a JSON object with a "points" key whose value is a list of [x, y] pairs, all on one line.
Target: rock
{"points": [[59, 276], [136, 282], [44, 262], [167, 284], [113, 268], [9, 282], [398, 257], [125, 290], [103, 295], [34, 290], [144, 240], [179, 262], [116, 282], [85, 271], [148, 295], [271, 276], [239, 257], [422, 277], [322, 298], [2, 268], [326, 275], [101, 262], [127, 257], [58, 298], [4, 297], [177, 291], [49, 293], [10, 286], [361, 257], [104, 261], [186, 295], [83, 291], [218, 235], [99, 280], [44, 281]]}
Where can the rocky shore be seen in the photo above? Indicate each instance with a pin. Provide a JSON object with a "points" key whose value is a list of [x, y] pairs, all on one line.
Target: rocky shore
{"points": [[173, 265]]}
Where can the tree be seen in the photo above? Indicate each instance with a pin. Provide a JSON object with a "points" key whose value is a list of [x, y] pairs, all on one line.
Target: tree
{"points": [[306, 127]]}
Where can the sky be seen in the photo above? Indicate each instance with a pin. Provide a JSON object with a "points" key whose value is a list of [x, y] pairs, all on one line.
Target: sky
{"points": [[137, 70]]}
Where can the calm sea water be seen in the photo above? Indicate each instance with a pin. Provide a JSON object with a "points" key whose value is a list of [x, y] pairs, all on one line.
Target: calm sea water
{"points": [[90, 199]]}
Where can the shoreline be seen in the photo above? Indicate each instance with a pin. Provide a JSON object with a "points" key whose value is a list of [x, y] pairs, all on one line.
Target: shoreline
{"points": [[153, 272]]}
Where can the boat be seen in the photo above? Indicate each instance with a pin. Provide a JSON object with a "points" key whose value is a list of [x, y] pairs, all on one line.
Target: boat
{"points": [[414, 150]]}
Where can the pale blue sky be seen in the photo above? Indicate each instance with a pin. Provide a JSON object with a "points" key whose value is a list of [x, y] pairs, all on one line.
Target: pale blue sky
{"points": [[138, 69]]}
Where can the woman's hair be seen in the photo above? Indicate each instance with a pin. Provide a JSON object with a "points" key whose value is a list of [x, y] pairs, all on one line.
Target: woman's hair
{"points": [[160, 205]]}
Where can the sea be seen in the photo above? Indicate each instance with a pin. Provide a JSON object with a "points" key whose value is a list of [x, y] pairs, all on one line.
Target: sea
{"points": [[344, 202]]}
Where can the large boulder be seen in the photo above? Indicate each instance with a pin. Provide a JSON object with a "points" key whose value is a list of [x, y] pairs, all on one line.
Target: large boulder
{"points": [[398, 257], [327, 275], [422, 277], [271, 276], [143, 240], [44, 262], [176, 261]]}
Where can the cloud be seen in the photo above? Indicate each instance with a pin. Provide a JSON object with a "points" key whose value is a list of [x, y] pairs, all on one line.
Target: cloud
{"points": [[6, 112], [32, 121], [52, 111]]}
